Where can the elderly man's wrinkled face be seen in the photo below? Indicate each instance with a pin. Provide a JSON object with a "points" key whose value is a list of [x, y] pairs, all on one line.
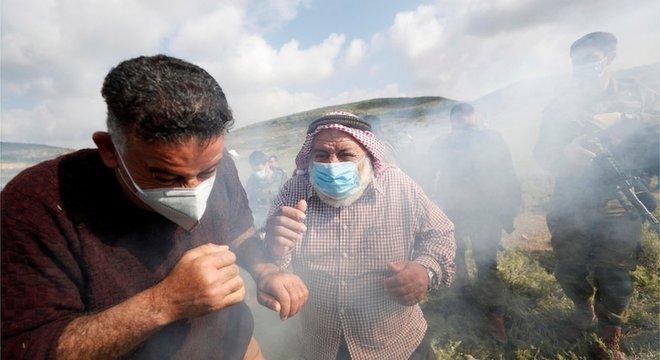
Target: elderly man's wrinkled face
{"points": [[332, 145], [340, 168]]}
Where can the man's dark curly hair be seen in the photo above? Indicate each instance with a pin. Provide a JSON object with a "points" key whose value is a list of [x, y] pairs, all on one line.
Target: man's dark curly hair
{"points": [[164, 99]]}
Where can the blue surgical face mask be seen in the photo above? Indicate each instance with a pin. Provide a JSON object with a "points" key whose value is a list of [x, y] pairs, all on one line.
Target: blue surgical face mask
{"points": [[336, 180]]}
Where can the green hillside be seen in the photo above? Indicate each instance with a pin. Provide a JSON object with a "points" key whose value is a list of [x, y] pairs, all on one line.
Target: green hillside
{"points": [[28, 153], [14, 157], [283, 136]]}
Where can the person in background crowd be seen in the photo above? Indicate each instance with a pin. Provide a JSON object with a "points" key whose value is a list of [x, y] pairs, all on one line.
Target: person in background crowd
{"points": [[274, 164], [131, 250], [262, 186], [366, 241], [477, 186], [400, 149], [595, 231], [378, 129]]}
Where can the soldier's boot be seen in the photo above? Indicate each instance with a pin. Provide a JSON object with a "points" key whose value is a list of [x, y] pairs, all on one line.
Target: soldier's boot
{"points": [[496, 324], [583, 316], [610, 349], [581, 320]]}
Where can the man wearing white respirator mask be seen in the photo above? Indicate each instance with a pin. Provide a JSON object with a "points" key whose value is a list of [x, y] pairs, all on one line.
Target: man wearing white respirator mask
{"points": [[132, 250]]}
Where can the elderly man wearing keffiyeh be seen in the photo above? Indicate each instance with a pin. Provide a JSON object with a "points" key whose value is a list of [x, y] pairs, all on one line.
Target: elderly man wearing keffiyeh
{"points": [[366, 241]]}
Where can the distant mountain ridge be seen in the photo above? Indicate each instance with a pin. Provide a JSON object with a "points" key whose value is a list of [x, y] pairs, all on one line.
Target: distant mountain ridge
{"points": [[14, 157], [28, 153], [284, 135]]}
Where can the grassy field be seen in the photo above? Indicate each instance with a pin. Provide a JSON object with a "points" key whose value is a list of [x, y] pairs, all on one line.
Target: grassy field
{"points": [[539, 312]]}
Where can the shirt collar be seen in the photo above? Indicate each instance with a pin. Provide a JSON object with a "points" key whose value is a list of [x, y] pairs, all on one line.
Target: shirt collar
{"points": [[376, 185]]}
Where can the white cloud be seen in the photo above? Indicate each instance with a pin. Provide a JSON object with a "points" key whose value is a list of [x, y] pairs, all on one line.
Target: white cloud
{"points": [[313, 64], [252, 64], [269, 15], [355, 53], [465, 49], [58, 51], [60, 123], [210, 35], [273, 102], [55, 53], [418, 32]]}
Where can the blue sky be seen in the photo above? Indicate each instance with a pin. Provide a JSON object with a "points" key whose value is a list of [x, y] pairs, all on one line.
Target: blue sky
{"points": [[352, 18], [279, 57]]}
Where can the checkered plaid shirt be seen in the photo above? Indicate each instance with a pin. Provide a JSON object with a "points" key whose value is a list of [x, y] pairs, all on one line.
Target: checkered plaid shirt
{"points": [[342, 259]]}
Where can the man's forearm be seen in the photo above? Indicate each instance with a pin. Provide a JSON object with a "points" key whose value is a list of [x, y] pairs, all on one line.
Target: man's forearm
{"points": [[253, 258], [113, 332]]}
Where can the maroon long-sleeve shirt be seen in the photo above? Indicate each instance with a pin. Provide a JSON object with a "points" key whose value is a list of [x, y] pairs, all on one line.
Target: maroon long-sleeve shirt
{"points": [[74, 244]]}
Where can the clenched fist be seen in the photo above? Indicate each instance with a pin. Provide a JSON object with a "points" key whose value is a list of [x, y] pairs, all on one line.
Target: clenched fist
{"points": [[205, 279]]}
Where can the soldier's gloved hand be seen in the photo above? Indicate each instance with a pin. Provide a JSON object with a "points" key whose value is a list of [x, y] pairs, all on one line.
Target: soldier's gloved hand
{"points": [[605, 120], [576, 154]]}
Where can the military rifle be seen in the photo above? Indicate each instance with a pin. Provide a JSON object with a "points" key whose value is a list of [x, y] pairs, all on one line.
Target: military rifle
{"points": [[631, 191]]}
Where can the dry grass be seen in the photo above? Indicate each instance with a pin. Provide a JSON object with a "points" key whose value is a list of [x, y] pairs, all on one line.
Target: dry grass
{"points": [[539, 311]]}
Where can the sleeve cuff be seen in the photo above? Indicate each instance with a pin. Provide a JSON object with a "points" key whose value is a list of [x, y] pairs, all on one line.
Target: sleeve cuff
{"points": [[431, 264]]}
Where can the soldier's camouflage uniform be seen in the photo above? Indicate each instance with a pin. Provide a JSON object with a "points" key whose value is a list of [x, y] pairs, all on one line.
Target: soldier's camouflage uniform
{"points": [[595, 240]]}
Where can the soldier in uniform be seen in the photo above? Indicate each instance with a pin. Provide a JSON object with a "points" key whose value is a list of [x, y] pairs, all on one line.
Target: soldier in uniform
{"points": [[595, 232], [477, 186]]}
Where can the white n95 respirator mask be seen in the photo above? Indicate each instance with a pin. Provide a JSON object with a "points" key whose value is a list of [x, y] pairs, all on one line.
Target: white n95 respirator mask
{"points": [[183, 206]]}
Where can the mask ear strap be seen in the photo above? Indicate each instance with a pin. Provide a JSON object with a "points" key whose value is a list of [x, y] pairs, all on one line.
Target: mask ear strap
{"points": [[123, 164]]}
